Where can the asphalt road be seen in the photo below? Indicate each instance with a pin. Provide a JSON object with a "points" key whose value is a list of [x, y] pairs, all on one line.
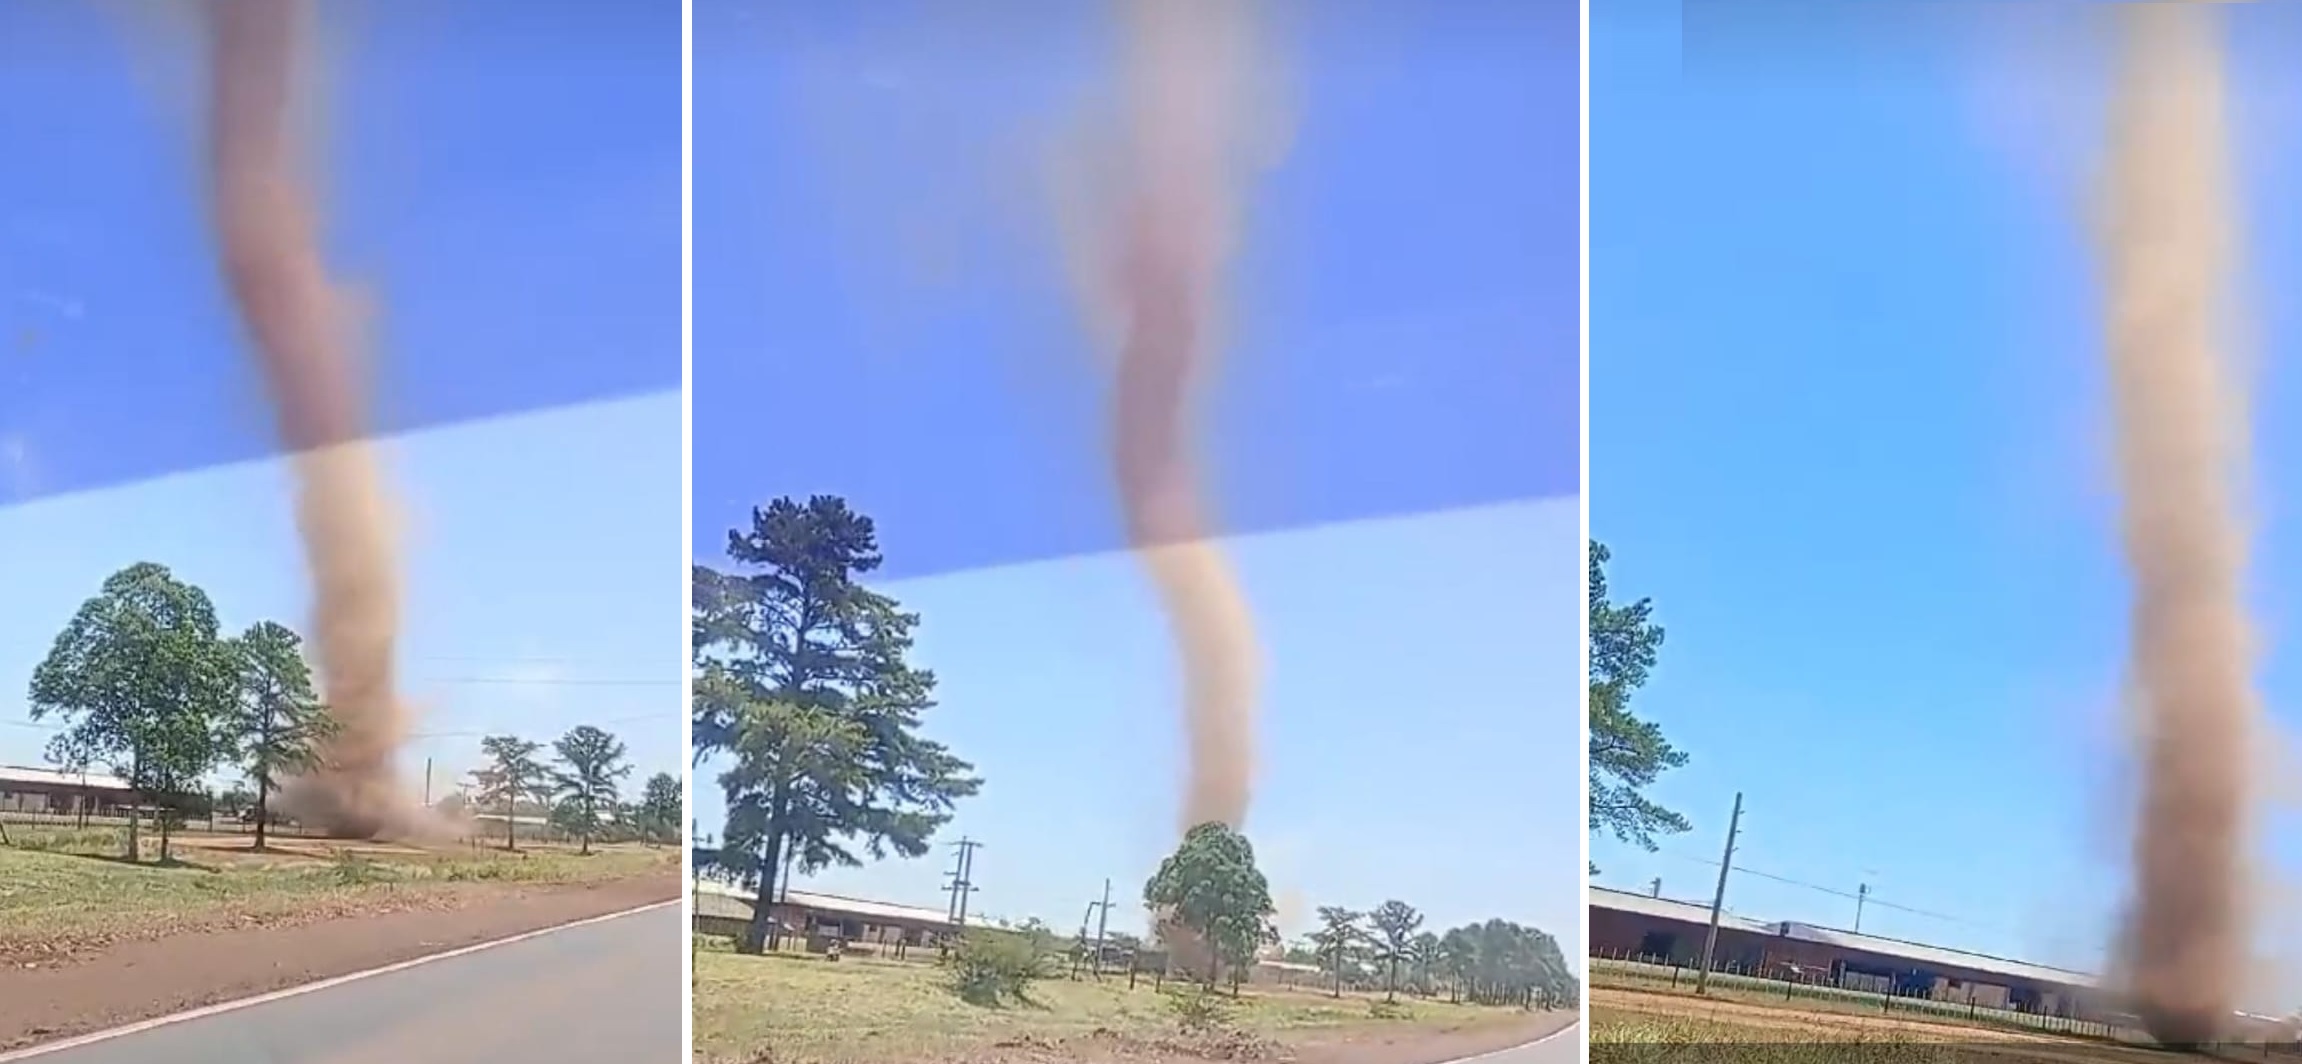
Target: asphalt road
{"points": [[607, 993], [1563, 1048]]}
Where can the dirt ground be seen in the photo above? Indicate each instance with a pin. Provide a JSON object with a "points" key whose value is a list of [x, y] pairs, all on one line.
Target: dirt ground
{"points": [[1392, 1045], [1371, 1044], [142, 979]]}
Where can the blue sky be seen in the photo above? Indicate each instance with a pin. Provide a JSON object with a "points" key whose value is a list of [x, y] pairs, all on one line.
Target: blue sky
{"points": [[508, 190], [880, 313], [505, 181], [1848, 430]]}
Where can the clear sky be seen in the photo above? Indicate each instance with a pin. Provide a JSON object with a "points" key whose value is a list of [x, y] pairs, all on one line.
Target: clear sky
{"points": [[1849, 431], [543, 575], [506, 185], [880, 314]]}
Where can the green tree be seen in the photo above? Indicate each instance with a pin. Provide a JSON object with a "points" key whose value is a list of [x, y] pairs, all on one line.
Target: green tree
{"points": [[803, 680], [661, 806], [1627, 753], [1337, 940], [511, 776], [1499, 963], [277, 726], [140, 679], [590, 763], [1211, 887], [1396, 922]]}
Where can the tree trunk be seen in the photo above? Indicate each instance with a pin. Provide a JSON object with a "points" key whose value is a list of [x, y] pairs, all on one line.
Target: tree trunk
{"points": [[755, 933], [263, 775], [263, 807], [512, 818]]}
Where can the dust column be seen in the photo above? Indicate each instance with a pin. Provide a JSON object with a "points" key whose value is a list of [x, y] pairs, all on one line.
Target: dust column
{"points": [[2167, 256], [1182, 152], [266, 216]]}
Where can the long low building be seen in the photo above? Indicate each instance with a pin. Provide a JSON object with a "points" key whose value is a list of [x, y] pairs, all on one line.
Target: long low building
{"points": [[48, 792], [1663, 931], [724, 910]]}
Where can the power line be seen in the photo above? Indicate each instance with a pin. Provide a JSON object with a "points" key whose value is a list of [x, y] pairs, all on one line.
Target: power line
{"points": [[1869, 899]]}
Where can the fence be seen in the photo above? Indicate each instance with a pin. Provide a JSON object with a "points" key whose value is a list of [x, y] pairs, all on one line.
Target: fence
{"points": [[1647, 973]]}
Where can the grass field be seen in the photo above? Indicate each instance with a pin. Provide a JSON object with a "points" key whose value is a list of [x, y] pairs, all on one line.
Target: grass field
{"points": [[804, 1010], [1641, 978], [64, 890], [1635, 1021]]}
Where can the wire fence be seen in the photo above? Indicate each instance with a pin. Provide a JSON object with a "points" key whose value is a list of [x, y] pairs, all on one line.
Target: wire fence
{"points": [[1824, 991]]}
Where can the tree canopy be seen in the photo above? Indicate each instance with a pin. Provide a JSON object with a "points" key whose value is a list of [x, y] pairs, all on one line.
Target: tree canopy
{"points": [[591, 761], [142, 682], [1499, 961], [1627, 754], [277, 726], [661, 808], [803, 680], [512, 775], [1211, 887]]}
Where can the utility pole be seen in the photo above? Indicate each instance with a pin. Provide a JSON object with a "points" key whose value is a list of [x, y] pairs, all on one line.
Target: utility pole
{"points": [[1102, 923], [1718, 898], [1655, 889], [427, 783], [1861, 894], [962, 880]]}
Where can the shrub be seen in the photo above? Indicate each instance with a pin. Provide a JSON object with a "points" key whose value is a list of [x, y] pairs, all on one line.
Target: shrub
{"points": [[989, 968], [1200, 1011]]}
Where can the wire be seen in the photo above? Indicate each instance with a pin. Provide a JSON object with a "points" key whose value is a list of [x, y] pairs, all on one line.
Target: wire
{"points": [[1869, 900]]}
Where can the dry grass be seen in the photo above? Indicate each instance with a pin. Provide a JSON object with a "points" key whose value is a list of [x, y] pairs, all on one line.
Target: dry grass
{"points": [[805, 1010], [64, 891], [1636, 1028]]}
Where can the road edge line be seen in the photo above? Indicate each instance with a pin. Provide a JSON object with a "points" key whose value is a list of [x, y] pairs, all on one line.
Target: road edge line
{"points": [[301, 989], [1568, 1029]]}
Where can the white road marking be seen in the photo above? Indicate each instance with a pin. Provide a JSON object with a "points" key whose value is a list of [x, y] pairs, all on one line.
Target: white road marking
{"points": [[1568, 1029], [300, 990]]}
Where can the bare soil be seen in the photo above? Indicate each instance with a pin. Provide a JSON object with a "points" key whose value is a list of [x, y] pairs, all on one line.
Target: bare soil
{"points": [[1426, 1045], [1369, 1044], [139, 980]]}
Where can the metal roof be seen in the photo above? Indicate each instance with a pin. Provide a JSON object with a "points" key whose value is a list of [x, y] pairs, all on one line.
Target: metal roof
{"points": [[48, 777], [833, 903], [1667, 909]]}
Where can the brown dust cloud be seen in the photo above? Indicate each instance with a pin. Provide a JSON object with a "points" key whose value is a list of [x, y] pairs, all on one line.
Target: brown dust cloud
{"points": [[266, 214], [2167, 255], [1175, 199]]}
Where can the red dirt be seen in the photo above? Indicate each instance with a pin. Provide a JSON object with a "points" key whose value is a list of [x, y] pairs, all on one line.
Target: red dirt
{"points": [[140, 980], [1394, 1045], [1368, 1044]]}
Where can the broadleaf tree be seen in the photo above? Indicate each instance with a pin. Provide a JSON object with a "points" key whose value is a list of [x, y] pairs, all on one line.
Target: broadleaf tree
{"points": [[1627, 753], [140, 679], [511, 776], [803, 681], [1211, 888], [591, 761], [277, 727]]}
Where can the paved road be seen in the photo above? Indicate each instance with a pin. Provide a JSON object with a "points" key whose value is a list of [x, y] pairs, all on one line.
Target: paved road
{"points": [[1564, 1048], [607, 993]]}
